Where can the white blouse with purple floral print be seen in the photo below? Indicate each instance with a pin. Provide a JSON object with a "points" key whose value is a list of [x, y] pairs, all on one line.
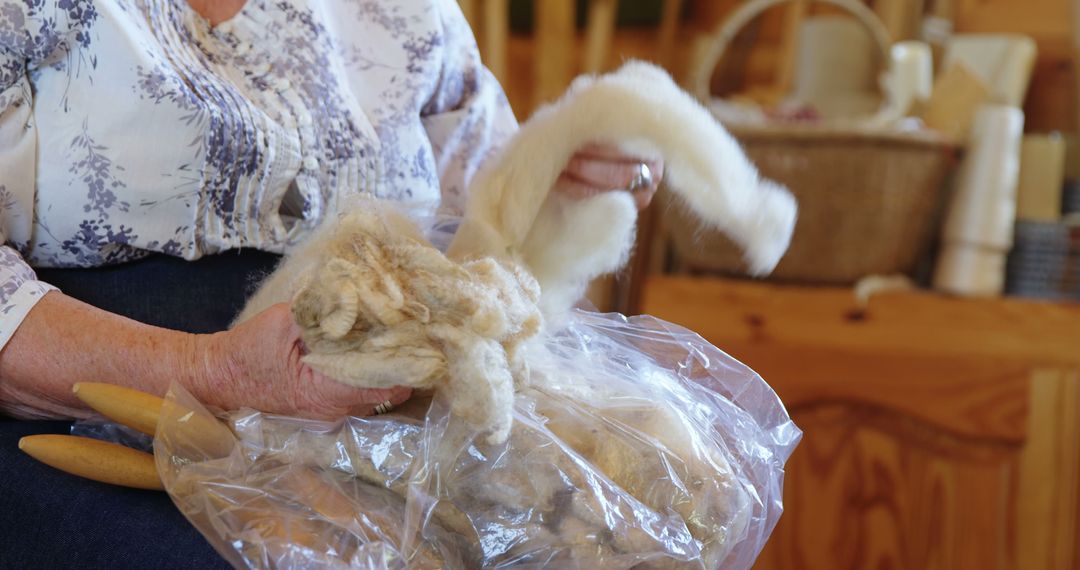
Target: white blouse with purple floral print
{"points": [[133, 126]]}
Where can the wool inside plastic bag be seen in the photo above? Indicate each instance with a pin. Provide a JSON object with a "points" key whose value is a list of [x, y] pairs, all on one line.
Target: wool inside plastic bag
{"points": [[638, 445]]}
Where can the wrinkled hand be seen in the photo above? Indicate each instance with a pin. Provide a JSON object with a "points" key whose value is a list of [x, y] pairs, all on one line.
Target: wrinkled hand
{"points": [[258, 365], [600, 168]]}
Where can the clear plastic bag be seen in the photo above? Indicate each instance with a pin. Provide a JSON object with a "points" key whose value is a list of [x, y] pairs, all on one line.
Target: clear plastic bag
{"points": [[637, 445]]}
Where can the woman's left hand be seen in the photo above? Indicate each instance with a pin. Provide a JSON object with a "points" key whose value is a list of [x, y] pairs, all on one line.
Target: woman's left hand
{"points": [[601, 168]]}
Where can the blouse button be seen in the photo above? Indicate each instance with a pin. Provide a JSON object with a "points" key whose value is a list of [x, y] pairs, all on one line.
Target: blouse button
{"points": [[310, 163], [282, 84]]}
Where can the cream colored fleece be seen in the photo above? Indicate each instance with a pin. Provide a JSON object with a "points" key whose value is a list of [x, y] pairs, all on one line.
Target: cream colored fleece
{"points": [[381, 307]]}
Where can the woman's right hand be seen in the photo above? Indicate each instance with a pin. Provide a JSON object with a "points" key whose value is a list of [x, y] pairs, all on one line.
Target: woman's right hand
{"points": [[258, 365], [63, 341]]}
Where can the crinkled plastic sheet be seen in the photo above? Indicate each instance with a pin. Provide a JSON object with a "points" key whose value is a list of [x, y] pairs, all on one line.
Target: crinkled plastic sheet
{"points": [[638, 445]]}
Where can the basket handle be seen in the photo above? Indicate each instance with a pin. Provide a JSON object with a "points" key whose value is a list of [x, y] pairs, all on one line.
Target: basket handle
{"points": [[722, 38]]}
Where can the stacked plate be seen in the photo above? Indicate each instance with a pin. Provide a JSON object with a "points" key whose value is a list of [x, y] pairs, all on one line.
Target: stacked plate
{"points": [[1045, 260]]}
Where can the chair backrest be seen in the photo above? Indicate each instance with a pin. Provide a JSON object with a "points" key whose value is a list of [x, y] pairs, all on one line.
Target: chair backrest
{"points": [[555, 38]]}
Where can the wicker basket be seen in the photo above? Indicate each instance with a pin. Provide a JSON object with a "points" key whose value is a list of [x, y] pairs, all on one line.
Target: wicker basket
{"points": [[868, 199], [868, 204]]}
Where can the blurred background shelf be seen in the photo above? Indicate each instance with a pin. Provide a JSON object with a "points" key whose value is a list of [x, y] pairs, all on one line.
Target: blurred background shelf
{"points": [[939, 432]]}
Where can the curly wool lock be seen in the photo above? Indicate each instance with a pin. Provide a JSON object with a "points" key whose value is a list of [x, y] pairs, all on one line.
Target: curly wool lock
{"points": [[384, 308]]}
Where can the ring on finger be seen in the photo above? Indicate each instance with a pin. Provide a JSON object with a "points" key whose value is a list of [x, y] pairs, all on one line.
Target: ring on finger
{"points": [[642, 180]]}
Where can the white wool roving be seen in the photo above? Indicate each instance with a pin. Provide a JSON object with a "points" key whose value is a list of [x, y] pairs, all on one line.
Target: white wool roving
{"points": [[381, 307], [512, 211]]}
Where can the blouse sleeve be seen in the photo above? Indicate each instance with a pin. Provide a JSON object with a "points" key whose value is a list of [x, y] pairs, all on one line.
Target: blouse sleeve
{"points": [[468, 117], [31, 34], [19, 288]]}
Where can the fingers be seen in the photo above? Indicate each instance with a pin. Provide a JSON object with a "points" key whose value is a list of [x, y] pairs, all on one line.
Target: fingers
{"points": [[578, 190], [573, 188], [604, 173], [331, 399], [599, 168]]}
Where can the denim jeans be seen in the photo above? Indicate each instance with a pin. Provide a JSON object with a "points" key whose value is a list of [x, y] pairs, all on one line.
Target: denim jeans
{"points": [[49, 519]]}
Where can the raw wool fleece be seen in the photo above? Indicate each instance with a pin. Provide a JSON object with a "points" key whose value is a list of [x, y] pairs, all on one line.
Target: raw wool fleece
{"points": [[384, 308], [381, 307]]}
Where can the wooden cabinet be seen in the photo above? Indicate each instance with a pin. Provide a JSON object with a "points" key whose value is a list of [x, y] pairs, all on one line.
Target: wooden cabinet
{"points": [[939, 433]]}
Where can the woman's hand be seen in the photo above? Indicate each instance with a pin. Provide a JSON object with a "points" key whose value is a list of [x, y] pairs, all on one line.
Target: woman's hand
{"points": [[63, 341], [258, 365], [600, 168]]}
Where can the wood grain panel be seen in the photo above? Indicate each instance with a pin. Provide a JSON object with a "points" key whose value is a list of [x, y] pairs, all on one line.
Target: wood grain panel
{"points": [[976, 400], [861, 493], [1049, 471]]}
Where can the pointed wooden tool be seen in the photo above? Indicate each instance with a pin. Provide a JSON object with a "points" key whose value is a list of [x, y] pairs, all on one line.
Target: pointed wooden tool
{"points": [[94, 459], [132, 408]]}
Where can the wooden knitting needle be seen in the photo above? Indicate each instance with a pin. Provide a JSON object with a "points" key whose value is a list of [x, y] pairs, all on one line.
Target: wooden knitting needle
{"points": [[94, 459], [112, 463], [99, 460], [125, 406], [141, 411]]}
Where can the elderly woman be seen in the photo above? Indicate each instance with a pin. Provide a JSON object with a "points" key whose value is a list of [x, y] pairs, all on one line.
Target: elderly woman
{"points": [[155, 157]]}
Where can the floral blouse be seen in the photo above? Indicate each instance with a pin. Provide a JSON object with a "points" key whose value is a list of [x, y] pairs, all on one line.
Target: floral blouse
{"points": [[133, 126]]}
